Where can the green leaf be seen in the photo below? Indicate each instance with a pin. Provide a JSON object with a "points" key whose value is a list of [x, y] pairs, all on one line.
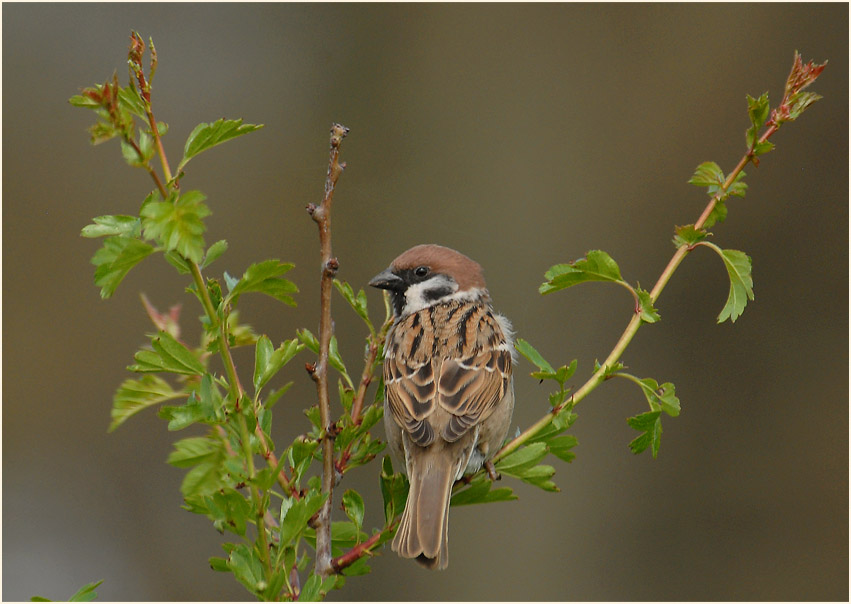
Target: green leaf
{"points": [[177, 223], [86, 593], [394, 490], [648, 313], [561, 446], [688, 235], [178, 262], [479, 491], [758, 113], [799, 102], [738, 265], [228, 510], [650, 424], [219, 564], [205, 136], [707, 174], [596, 266], [127, 226], [267, 362], [659, 397], [135, 395], [264, 277], [517, 463], [533, 356], [247, 568], [310, 589], [115, 259], [207, 455], [718, 214], [130, 100], [356, 301], [297, 515], [353, 506], [167, 355], [216, 250]]}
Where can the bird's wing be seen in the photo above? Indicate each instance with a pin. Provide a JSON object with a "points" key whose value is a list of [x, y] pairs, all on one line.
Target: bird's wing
{"points": [[410, 391], [469, 388]]}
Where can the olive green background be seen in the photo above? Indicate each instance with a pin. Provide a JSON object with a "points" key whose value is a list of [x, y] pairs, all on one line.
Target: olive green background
{"points": [[522, 135]]}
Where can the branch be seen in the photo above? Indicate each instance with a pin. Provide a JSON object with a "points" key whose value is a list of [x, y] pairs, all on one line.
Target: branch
{"points": [[362, 549], [789, 109], [322, 217], [375, 341]]}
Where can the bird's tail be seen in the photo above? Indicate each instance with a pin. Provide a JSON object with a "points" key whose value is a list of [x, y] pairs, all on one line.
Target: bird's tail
{"points": [[424, 529]]}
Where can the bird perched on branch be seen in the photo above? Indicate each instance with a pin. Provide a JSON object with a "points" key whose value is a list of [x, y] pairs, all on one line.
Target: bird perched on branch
{"points": [[449, 392]]}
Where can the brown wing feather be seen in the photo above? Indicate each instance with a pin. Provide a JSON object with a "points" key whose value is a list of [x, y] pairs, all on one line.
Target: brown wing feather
{"points": [[470, 388]]}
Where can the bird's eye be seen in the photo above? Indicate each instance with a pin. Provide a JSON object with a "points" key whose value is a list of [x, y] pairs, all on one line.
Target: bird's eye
{"points": [[421, 271]]}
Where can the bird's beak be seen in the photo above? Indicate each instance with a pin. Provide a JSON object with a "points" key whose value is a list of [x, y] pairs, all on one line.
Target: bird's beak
{"points": [[386, 279]]}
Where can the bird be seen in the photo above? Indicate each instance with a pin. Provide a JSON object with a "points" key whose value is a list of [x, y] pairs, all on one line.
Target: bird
{"points": [[449, 389]]}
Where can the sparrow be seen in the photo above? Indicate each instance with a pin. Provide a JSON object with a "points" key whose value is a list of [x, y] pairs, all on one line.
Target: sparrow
{"points": [[449, 390]]}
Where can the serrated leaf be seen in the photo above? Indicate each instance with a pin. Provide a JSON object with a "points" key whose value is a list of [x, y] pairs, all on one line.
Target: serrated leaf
{"points": [[299, 512], [738, 265], [479, 491], [264, 277], [135, 395], [648, 313], [688, 235], [115, 259], [207, 135], [596, 266], [177, 223], [561, 446], [129, 99], [650, 424], [518, 463], [246, 567], [718, 214], [167, 355], [707, 174], [86, 593], [126, 226], [394, 490], [659, 397], [532, 355], [213, 253], [356, 301], [353, 506]]}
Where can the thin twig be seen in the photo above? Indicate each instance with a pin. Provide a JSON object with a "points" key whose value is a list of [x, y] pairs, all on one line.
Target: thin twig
{"points": [[362, 549], [321, 215]]}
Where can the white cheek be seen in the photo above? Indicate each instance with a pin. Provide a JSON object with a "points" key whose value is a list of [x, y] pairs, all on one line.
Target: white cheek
{"points": [[415, 295]]}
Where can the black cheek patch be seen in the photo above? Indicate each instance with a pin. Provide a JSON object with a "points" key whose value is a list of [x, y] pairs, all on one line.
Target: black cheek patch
{"points": [[437, 293]]}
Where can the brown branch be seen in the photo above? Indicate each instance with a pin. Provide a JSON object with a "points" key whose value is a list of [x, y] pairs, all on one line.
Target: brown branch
{"points": [[360, 550], [322, 217]]}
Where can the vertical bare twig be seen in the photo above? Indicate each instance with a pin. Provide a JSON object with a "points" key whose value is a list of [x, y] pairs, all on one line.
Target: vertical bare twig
{"points": [[321, 215]]}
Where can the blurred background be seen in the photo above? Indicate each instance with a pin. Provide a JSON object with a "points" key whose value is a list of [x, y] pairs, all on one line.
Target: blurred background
{"points": [[522, 136]]}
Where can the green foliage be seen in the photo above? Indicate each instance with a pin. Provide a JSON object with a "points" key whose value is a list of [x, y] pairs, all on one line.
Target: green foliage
{"points": [[135, 395], [206, 136], [738, 265], [86, 593], [265, 278], [115, 259], [177, 223], [168, 355], [596, 266]]}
